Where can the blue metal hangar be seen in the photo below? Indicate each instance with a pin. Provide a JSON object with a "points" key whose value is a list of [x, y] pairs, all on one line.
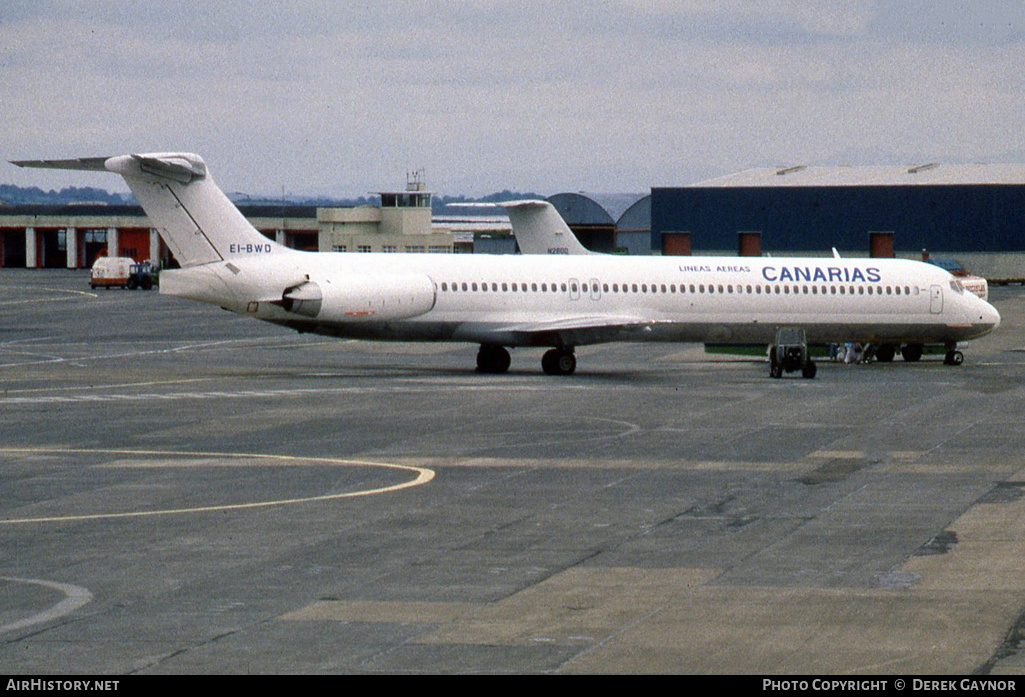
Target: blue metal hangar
{"points": [[608, 222], [974, 214]]}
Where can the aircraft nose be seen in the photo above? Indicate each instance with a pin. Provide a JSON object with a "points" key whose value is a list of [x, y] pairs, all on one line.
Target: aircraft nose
{"points": [[993, 316], [988, 318]]}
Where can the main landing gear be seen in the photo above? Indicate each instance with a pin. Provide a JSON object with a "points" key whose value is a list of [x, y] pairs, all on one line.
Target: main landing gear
{"points": [[559, 362], [912, 352], [495, 360]]}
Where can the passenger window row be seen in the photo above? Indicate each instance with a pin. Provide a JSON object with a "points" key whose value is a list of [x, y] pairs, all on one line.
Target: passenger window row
{"points": [[663, 288]]}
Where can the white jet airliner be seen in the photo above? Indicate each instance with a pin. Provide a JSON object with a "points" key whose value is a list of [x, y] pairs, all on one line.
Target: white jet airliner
{"points": [[560, 300]]}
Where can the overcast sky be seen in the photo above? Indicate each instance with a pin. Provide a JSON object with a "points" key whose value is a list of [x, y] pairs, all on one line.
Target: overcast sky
{"points": [[343, 98]]}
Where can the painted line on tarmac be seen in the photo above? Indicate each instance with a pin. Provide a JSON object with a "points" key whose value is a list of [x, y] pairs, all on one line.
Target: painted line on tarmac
{"points": [[45, 358], [85, 358], [28, 301], [405, 387], [74, 598], [423, 476], [109, 387]]}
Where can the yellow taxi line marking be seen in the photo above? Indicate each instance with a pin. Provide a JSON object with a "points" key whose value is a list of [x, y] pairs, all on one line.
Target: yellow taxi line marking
{"points": [[423, 476]]}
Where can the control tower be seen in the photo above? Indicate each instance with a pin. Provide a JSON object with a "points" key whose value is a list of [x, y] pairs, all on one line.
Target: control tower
{"points": [[401, 224], [407, 212]]}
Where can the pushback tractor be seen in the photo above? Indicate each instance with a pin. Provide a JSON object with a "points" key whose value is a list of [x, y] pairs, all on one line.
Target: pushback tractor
{"points": [[789, 353]]}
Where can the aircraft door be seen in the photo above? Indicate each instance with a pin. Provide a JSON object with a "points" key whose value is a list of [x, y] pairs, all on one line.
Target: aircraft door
{"points": [[936, 300]]}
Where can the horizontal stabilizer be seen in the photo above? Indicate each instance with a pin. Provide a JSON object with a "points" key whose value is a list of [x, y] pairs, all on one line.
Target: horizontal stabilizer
{"points": [[88, 164], [179, 167], [522, 203]]}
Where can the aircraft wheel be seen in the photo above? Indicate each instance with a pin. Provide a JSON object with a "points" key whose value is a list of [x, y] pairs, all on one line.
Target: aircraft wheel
{"points": [[911, 352], [558, 362], [493, 360], [886, 353], [954, 358]]}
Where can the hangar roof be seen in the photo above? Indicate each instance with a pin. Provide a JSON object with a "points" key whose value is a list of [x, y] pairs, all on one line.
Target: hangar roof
{"points": [[888, 175], [601, 209]]}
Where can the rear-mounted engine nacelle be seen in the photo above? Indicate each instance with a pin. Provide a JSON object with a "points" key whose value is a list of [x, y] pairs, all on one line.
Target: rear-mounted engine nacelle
{"points": [[304, 299], [370, 298]]}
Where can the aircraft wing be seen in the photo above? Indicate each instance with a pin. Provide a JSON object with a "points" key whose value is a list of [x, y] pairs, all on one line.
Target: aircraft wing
{"points": [[574, 331]]}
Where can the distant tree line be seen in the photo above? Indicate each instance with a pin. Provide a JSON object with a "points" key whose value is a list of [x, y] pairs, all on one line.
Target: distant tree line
{"points": [[17, 195]]}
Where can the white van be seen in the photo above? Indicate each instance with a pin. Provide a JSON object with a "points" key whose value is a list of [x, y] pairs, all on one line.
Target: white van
{"points": [[120, 272]]}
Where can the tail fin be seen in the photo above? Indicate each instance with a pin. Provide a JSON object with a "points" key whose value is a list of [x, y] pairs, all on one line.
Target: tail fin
{"points": [[193, 216], [539, 229], [537, 226]]}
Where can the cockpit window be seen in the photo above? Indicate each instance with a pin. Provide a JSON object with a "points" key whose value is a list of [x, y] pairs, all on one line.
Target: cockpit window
{"points": [[956, 286]]}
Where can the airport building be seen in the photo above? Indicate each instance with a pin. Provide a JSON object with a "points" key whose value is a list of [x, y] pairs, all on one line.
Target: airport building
{"points": [[402, 223], [75, 236], [974, 214]]}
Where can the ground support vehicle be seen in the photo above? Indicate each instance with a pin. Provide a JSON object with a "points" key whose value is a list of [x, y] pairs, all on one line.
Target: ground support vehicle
{"points": [[789, 352]]}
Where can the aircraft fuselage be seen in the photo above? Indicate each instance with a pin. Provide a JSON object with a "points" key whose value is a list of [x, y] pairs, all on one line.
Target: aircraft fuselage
{"points": [[551, 301]]}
